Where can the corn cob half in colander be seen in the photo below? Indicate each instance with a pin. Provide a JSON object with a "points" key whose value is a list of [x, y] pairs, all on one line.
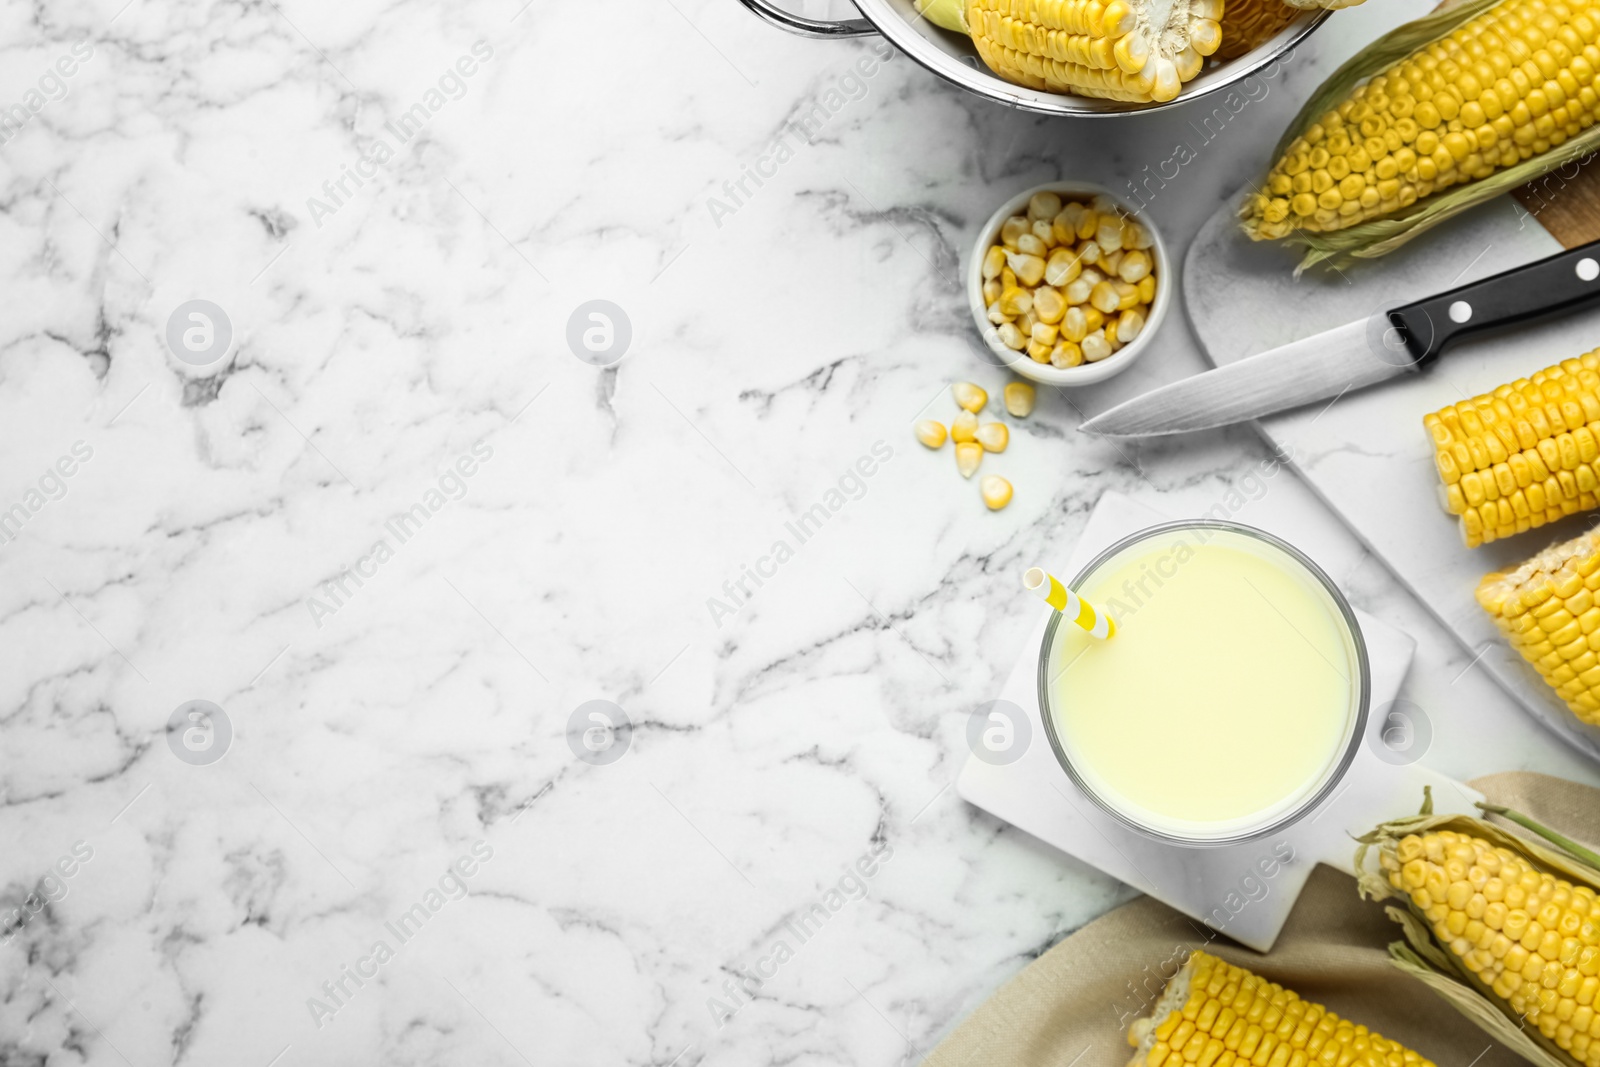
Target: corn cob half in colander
{"points": [[1139, 51], [1517, 80], [1548, 612], [1523, 455], [1213, 1014]]}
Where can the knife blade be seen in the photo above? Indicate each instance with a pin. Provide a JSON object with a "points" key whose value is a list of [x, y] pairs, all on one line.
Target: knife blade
{"points": [[1402, 340]]}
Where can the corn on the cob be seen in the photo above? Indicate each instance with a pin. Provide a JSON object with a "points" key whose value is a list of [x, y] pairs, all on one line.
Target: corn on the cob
{"points": [[1109, 50], [1112, 48], [1523, 455], [1548, 611], [1213, 1014], [1512, 83], [1529, 937]]}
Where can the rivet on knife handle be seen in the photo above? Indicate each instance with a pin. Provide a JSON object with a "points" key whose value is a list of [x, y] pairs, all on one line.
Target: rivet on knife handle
{"points": [[1563, 282]]}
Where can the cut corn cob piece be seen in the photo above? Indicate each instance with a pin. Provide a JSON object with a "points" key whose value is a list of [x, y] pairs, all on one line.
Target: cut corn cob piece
{"points": [[1113, 50], [1523, 934], [1524, 455], [1219, 1015], [1512, 83], [1547, 610], [1138, 51]]}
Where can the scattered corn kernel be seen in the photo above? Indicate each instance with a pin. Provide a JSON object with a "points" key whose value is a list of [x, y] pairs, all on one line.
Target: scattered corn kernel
{"points": [[1019, 397], [993, 436], [968, 455], [964, 427], [996, 491], [969, 397], [931, 433]]}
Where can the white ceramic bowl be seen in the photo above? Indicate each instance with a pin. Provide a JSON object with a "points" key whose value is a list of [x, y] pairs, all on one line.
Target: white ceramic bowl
{"points": [[1163, 267]]}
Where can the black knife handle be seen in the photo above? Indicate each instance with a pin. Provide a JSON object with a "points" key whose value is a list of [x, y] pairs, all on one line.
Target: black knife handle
{"points": [[1563, 282]]}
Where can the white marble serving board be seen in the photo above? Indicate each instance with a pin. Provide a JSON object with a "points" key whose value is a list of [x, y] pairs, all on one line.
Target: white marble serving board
{"points": [[1367, 454], [1227, 887]]}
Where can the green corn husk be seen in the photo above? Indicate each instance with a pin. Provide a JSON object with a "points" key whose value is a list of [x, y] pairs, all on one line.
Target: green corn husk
{"points": [[1377, 237], [1420, 954]]}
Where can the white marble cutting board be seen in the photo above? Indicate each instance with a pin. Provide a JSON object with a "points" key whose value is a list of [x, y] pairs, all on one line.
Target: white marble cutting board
{"points": [[1366, 453]]}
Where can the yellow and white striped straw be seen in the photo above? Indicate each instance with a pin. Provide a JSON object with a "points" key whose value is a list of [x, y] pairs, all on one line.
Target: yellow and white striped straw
{"points": [[1048, 588]]}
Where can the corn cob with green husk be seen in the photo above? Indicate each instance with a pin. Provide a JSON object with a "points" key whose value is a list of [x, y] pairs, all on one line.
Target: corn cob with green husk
{"points": [[1431, 119], [1505, 929], [1139, 51]]}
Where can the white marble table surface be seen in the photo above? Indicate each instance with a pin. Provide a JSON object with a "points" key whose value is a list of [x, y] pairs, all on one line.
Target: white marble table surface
{"points": [[393, 334]]}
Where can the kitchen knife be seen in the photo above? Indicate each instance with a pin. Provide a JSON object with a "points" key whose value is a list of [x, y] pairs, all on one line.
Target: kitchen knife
{"points": [[1358, 354]]}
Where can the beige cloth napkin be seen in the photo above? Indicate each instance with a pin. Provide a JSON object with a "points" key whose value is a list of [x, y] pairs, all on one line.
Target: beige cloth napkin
{"points": [[1072, 1006]]}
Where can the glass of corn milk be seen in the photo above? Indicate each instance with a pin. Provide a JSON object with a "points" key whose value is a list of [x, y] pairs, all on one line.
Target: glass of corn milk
{"points": [[1230, 700]]}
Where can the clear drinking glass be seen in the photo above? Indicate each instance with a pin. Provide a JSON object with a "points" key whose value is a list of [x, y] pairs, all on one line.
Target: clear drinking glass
{"points": [[1055, 688]]}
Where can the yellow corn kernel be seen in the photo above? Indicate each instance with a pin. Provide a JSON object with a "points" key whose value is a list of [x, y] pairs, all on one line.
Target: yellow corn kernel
{"points": [[994, 262], [969, 397], [1066, 354], [1019, 398], [995, 490], [1028, 268], [931, 433], [964, 427], [968, 455], [993, 436], [1096, 347], [1063, 267], [1049, 305]]}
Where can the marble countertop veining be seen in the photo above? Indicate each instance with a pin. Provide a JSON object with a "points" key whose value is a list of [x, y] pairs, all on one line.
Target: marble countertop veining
{"points": [[374, 512]]}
